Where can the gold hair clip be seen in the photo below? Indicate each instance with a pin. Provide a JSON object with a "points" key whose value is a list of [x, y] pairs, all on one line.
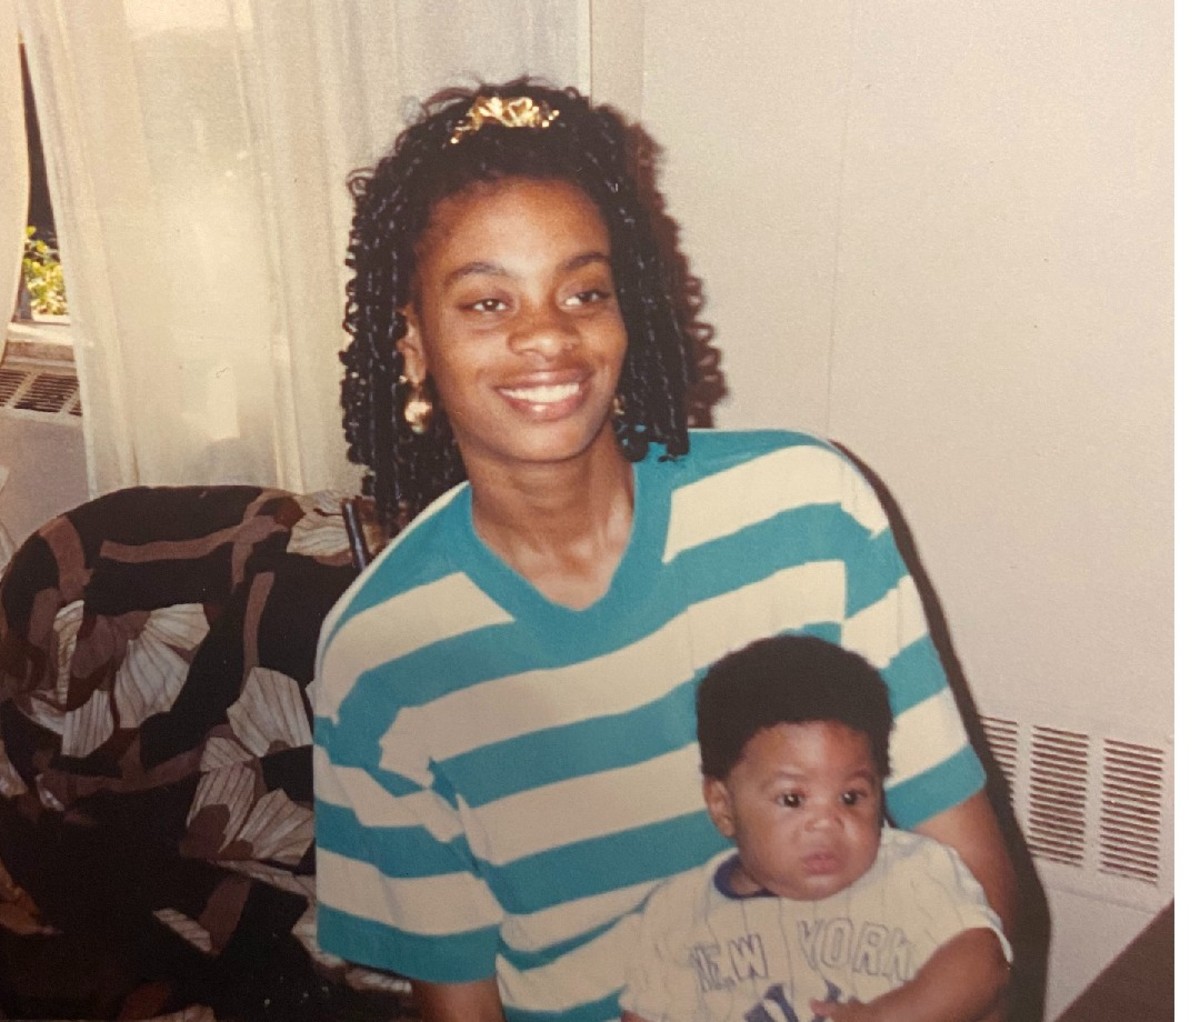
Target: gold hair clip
{"points": [[518, 112]]}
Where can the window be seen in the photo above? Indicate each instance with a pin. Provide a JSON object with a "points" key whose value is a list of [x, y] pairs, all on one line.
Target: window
{"points": [[40, 316], [37, 371]]}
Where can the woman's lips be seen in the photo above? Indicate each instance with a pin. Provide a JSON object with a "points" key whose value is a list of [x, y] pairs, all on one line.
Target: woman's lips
{"points": [[545, 401], [542, 393]]}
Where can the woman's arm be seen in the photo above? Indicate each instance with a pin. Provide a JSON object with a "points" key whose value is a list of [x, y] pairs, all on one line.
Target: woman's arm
{"points": [[970, 828], [459, 1002], [962, 980]]}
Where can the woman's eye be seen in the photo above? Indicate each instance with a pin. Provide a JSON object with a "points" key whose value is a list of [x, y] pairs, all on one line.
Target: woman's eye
{"points": [[589, 296], [486, 305], [791, 800]]}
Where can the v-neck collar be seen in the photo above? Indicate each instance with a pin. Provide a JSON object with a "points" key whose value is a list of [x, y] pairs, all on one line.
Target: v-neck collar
{"points": [[634, 572]]}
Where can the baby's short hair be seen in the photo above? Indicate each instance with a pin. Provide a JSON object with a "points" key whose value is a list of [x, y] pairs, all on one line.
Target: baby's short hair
{"points": [[787, 679]]}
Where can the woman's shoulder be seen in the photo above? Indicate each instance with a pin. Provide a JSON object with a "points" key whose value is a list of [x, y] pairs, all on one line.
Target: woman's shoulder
{"points": [[432, 529], [734, 460], [733, 445], [421, 555]]}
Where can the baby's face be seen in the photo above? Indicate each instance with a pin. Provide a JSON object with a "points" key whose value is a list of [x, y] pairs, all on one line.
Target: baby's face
{"points": [[804, 804]]}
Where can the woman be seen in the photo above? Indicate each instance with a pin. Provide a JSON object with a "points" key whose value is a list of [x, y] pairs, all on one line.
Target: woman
{"points": [[505, 732]]}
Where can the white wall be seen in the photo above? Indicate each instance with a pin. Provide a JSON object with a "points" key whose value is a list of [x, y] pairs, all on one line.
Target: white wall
{"points": [[940, 232]]}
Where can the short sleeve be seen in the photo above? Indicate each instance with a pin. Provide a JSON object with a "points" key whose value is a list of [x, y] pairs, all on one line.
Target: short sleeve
{"points": [[397, 885], [951, 899], [933, 766]]}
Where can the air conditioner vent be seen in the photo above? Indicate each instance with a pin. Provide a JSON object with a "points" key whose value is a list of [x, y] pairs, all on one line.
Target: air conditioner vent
{"points": [[10, 380], [49, 392], [28, 388]]}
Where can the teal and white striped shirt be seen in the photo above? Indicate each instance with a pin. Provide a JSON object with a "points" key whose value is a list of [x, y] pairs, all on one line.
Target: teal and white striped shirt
{"points": [[501, 780]]}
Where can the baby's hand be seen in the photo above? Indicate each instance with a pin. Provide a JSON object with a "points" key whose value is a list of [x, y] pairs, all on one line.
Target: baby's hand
{"points": [[852, 1010]]}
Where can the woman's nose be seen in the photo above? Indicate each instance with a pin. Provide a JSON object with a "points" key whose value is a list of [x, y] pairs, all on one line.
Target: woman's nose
{"points": [[544, 330]]}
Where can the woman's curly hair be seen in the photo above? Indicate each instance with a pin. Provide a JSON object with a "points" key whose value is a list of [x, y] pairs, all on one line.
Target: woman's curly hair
{"points": [[588, 146]]}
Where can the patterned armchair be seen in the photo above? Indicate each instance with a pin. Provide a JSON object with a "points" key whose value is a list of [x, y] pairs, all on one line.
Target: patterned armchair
{"points": [[156, 646]]}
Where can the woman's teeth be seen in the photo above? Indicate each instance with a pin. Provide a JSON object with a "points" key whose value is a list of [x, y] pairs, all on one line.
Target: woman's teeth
{"points": [[546, 394]]}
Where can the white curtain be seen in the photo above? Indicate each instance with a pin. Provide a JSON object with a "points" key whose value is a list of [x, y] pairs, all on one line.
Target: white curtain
{"points": [[14, 196], [198, 151], [14, 165]]}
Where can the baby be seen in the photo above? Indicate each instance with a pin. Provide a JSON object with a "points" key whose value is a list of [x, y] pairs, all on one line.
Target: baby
{"points": [[823, 909]]}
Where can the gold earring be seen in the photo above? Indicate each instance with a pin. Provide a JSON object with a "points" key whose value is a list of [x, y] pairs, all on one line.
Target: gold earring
{"points": [[418, 409], [618, 406]]}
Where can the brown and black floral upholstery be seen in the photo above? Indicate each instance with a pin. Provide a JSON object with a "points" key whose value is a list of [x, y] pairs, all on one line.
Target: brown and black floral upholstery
{"points": [[156, 646]]}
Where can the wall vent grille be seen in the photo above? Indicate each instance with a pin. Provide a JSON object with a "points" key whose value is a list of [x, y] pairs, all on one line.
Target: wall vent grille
{"points": [[1131, 818], [31, 389], [1058, 795], [1095, 804], [1004, 738]]}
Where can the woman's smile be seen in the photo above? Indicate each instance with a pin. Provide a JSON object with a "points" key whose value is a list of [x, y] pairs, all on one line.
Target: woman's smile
{"points": [[545, 399]]}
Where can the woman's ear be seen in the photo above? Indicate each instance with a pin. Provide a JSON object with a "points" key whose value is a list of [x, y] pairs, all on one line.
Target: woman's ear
{"points": [[720, 806], [411, 347]]}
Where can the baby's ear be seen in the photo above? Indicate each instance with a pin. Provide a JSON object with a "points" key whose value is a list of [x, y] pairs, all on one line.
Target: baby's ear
{"points": [[720, 808]]}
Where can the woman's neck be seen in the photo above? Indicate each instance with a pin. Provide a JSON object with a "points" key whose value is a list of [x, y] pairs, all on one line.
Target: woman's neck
{"points": [[563, 526]]}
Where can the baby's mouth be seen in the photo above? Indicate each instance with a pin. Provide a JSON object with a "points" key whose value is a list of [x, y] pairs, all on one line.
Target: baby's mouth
{"points": [[822, 862]]}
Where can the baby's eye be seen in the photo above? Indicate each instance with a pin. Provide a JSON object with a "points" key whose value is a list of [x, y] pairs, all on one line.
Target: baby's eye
{"points": [[791, 800], [852, 798]]}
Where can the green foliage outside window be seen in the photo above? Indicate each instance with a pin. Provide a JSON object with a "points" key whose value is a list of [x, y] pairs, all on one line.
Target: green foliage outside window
{"points": [[43, 277]]}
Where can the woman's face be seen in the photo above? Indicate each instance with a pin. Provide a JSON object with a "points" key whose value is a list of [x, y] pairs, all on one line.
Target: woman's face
{"points": [[515, 317]]}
